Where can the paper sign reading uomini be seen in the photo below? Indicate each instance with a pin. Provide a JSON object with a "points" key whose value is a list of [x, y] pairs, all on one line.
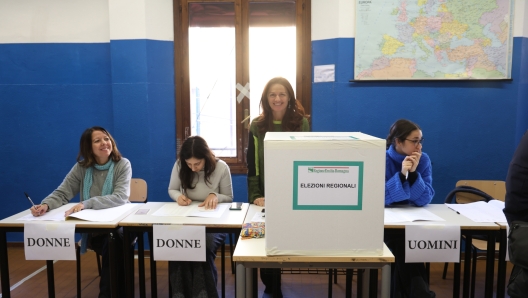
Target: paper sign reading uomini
{"points": [[179, 243], [432, 243], [49, 241]]}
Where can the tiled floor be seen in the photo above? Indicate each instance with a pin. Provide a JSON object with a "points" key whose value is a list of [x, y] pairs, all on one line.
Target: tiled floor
{"points": [[28, 281]]}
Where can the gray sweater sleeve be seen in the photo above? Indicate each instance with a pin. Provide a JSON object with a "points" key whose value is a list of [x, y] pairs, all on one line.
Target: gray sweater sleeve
{"points": [[68, 189], [73, 183], [225, 192], [175, 183]]}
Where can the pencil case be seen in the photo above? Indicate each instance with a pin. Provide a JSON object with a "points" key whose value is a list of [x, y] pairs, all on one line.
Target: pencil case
{"points": [[253, 230]]}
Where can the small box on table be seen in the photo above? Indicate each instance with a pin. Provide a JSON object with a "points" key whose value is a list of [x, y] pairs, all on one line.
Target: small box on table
{"points": [[325, 193]]}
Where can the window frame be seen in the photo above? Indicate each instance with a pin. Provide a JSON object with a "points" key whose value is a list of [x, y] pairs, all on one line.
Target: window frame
{"points": [[181, 69]]}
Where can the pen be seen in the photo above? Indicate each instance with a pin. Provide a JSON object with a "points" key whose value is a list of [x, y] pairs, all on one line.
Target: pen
{"points": [[454, 210], [27, 196]]}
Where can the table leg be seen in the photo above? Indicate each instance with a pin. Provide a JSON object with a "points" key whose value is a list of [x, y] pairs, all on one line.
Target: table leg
{"points": [[456, 280], [141, 264], [129, 259], [51, 279], [4, 267], [490, 264], [223, 268], [153, 273], [251, 280], [113, 265], [467, 265], [385, 281], [501, 274], [240, 281], [348, 287]]}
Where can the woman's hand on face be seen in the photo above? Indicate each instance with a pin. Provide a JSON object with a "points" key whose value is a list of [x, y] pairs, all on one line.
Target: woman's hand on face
{"points": [[38, 210], [259, 202], [210, 202], [74, 209], [406, 165], [184, 201], [415, 158]]}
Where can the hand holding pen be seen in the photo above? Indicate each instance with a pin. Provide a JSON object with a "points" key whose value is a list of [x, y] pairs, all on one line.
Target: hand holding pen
{"points": [[37, 210]]}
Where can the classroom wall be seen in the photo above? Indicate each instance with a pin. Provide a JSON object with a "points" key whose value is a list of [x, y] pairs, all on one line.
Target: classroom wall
{"points": [[470, 128], [69, 65]]}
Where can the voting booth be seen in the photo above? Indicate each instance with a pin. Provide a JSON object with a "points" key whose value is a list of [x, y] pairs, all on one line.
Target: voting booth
{"points": [[325, 193]]}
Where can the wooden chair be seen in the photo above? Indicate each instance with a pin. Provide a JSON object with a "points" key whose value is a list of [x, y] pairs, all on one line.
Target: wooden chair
{"points": [[138, 194], [496, 190]]}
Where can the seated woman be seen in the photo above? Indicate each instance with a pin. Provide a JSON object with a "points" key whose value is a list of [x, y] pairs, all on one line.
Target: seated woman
{"points": [[408, 180], [102, 177], [199, 176], [281, 111]]}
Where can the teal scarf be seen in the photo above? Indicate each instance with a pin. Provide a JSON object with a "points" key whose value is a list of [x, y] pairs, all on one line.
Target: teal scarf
{"points": [[108, 188]]}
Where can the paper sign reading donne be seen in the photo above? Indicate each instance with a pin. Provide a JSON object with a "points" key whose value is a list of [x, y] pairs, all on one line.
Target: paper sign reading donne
{"points": [[179, 243], [49, 241], [432, 243]]}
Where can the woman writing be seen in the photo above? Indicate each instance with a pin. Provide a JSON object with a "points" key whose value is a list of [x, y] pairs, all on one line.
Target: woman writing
{"points": [[408, 181], [102, 178], [281, 111], [198, 176]]}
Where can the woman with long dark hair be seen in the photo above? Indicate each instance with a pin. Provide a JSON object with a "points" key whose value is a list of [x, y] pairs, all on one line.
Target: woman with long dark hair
{"points": [[199, 176], [102, 178], [281, 111]]}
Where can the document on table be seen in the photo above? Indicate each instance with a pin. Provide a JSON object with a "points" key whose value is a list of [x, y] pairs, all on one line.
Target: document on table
{"points": [[481, 211], [52, 215], [100, 215], [409, 214], [173, 209]]}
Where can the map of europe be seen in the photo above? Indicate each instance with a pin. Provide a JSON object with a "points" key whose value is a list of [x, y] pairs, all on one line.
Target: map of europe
{"points": [[433, 39]]}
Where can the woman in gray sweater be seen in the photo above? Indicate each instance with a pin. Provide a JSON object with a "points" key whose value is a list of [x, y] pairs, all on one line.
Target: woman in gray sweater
{"points": [[102, 178], [198, 176]]}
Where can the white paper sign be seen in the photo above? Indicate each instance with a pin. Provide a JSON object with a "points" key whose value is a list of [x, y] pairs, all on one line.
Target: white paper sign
{"points": [[179, 243], [49, 241], [324, 73], [432, 243], [321, 185]]}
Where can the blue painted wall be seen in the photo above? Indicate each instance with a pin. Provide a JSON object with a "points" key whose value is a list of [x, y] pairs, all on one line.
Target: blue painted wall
{"points": [[471, 128], [49, 93]]}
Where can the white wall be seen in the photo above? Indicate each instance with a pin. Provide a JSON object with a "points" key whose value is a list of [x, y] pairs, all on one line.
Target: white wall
{"points": [[84, 21], [50, 21], [336, 19]]}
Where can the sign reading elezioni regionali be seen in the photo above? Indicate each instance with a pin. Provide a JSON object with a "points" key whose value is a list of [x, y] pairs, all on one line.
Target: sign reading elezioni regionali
{"points": [[327, 185]]}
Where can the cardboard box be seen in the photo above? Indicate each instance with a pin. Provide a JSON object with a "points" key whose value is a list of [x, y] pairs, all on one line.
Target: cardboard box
{"points": [[325, 193]]}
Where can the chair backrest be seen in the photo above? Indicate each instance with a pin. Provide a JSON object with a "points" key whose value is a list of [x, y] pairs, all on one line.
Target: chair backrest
{"points": [[496, 189], [138, 190]]}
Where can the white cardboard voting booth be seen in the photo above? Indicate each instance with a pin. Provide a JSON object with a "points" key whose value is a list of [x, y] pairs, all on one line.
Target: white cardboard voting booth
{"points": [[325, 193]]}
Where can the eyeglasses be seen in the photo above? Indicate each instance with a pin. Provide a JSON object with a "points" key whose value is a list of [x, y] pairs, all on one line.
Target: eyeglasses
{"points": [[280, 95], [415, 142]]}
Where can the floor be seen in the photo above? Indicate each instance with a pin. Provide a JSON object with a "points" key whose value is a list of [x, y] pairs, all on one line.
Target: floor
{"points": [[28, 279]]}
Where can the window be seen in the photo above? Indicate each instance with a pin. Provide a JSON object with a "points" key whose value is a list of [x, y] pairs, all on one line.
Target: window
{"points": [[225, 47]]}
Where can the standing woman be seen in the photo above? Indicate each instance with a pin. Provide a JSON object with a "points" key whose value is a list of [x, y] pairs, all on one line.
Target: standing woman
{"points": [[408, 181], [281, 111], [102, 178], [199, 176]]}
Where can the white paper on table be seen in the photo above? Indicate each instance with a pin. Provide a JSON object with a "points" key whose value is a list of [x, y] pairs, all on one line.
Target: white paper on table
{"points": [[324, 73], [179, 243], [409, 214], [259, 217], [432, 243], [49, 241], [173, 209], [102, 215], [211, 213], [481, 211], [53, 215]]}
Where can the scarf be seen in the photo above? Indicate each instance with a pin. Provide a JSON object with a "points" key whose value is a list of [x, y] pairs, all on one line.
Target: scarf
{"points": [[108, 188]]}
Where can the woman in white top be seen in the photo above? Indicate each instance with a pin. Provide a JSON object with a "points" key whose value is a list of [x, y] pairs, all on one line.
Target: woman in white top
{"points": [[198, 176]]}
